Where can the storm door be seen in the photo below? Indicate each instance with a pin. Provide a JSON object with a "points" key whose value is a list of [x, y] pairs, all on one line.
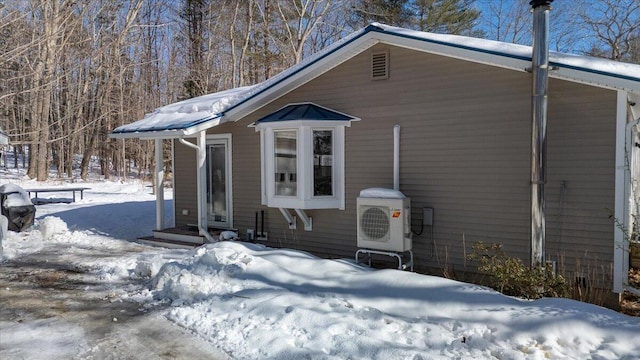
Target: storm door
{"points": [[219, 183]]}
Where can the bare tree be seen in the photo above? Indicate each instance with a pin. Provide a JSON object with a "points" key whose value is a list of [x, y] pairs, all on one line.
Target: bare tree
{"points": [[614, 25], [508, 21], [300, 19], [50, 16]]}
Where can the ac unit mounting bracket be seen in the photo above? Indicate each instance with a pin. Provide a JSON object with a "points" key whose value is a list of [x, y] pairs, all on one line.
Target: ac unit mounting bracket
{"points": [[401, 266]]}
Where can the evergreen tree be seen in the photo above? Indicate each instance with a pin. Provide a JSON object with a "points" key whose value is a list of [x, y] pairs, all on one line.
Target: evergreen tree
{"points": [[441, 16], [193, 17], [444, 16], [390, 12]]}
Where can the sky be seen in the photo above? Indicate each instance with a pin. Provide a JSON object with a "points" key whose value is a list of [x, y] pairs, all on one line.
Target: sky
{"points": [[249, 301]]}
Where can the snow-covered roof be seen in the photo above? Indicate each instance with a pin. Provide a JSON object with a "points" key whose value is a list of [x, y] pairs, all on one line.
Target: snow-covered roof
{"points": [[187, 114], [188, 117]]}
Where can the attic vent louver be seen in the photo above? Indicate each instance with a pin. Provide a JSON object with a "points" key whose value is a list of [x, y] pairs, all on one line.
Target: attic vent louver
{"points": [[380, 65]]}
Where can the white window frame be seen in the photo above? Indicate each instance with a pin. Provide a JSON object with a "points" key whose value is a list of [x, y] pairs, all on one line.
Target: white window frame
{"points": [[309, 165], [304, 158], [210, 140]]}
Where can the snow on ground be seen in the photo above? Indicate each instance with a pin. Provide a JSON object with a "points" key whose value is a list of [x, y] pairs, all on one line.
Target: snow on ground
{"points": [[256, 302]]}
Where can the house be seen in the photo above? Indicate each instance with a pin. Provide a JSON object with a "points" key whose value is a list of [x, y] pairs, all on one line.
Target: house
{"points": [[284, 161]]}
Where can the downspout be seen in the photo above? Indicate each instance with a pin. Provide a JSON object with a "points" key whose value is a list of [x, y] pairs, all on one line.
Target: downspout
{"points": [[396, 157], [159, 185], [540, 72], [201, 180], [627, 183]]}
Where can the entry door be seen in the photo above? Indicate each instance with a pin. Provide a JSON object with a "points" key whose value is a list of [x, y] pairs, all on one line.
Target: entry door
{"points": [[219, 209]]}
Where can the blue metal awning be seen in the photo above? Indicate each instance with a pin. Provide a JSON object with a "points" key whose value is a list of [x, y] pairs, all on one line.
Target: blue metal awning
{"points": [[305, 111]]}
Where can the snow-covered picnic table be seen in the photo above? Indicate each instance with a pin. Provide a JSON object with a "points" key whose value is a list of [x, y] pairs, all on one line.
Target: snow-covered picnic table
{"points": [[73, 190]]}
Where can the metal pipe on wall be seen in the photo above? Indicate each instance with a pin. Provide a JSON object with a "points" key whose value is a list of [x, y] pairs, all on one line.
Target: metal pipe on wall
{"points": [[540, 72], [159, 185], [396, 157]]}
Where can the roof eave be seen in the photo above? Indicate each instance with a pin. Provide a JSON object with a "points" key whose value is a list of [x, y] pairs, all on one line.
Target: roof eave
{"points": [[186, 132], [193, 130], [487, 57], [593, 78], [148, 135], [514, 62]]}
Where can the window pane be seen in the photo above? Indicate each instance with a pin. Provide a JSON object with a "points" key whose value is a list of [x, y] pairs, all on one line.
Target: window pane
{"points": [[216, 183], [285, 163], [322, 162]]}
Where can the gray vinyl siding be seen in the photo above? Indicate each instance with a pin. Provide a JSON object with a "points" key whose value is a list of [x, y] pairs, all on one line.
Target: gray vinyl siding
{"points": [[581, 145], [185, 184], [465, 145]]}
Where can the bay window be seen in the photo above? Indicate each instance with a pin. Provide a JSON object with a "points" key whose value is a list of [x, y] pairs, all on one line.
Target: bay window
{"points": [[302, 157]]}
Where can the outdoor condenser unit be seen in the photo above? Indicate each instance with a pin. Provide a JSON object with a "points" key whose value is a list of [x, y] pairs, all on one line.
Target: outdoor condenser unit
{"points": [[384, 223]]}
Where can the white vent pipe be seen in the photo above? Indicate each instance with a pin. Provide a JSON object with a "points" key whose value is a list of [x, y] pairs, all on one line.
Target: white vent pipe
{"points": [[396, 157]]}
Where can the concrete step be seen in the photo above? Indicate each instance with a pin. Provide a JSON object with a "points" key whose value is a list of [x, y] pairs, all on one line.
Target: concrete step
{"points": [[172, 244], [192, 238]]}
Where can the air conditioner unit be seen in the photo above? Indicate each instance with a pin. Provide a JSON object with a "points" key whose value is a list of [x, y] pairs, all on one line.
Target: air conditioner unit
{"points": [[384, 223]]}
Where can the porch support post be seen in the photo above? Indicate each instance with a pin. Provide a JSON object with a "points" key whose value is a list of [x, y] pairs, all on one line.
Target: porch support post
{"points": [[159, 185], [202, 182]]}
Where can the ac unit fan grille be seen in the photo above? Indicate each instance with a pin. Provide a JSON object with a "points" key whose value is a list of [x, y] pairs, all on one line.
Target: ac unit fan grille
{"points": [[374, 222]]}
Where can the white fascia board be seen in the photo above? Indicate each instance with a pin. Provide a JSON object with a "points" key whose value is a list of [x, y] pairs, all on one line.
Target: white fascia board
{"points": [[149, 135], [454, 52], [301, 77], [189, 132], [593, 79], [194, 130]]}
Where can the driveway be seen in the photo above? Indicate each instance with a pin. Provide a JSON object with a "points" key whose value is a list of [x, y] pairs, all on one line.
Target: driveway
{"points": [[52, 309]]}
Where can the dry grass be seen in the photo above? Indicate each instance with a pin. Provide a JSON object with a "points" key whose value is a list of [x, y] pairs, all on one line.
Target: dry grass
{"points": [[630, 303]]}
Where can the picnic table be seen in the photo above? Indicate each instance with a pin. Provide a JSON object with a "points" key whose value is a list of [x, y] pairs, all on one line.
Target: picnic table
{"points": [[73, 190]]}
